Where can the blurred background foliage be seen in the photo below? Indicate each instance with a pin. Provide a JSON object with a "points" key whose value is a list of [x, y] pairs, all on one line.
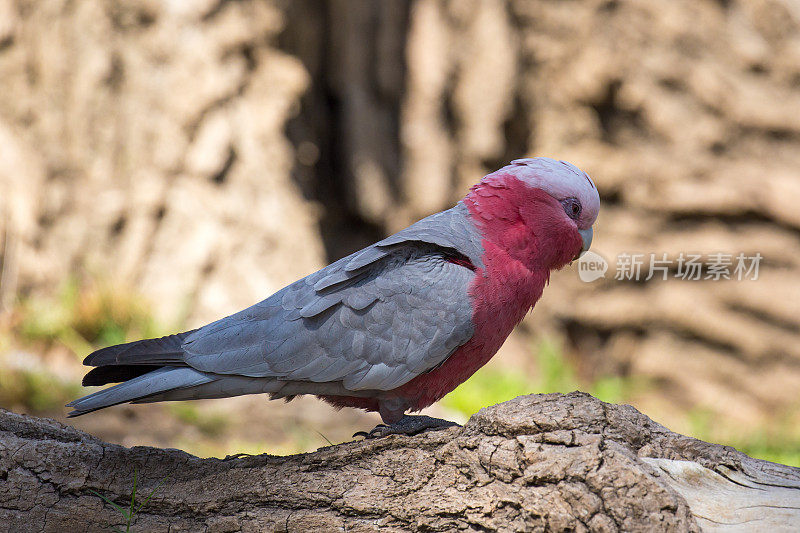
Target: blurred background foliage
{"points": [[163, 164]]}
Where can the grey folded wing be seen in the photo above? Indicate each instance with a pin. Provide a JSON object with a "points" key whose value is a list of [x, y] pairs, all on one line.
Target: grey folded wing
{"points": [[369, 325]]}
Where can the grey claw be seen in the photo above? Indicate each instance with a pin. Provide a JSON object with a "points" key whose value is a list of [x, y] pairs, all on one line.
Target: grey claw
{"points": [[373, 433], [408, 425]]}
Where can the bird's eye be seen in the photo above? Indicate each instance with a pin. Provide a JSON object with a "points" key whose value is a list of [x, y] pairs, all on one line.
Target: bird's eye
{"points": [[572, 206]]}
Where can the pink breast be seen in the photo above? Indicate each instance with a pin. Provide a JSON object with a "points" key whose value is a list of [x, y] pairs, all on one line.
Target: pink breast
{"points": [[502, 294]]}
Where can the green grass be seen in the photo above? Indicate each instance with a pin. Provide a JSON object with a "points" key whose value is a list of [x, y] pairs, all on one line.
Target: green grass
{"points": [[37, 391], [79, 318], [555, 374], [84, 317], [777, 451], [779, 443], [129, 514], [484, 388]]}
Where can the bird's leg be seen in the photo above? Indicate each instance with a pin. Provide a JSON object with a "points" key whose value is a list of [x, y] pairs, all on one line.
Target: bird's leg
{"points": [[408, 425], [396, 422]]}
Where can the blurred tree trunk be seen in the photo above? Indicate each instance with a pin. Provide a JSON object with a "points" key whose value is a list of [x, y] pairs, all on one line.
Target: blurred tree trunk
{"points": [[554, 462]]}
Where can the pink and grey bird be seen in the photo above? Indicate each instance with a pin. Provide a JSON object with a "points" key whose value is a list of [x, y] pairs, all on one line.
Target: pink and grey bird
{"points": [[391, 328]]}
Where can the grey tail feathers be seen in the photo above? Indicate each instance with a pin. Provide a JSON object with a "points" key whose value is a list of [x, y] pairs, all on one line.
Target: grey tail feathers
{"points": [[163, 350], [126, 361], [155, 382], [147, 367]]}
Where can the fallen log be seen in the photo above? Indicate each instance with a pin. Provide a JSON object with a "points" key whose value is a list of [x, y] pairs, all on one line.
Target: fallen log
{"points": [[540, 462]]}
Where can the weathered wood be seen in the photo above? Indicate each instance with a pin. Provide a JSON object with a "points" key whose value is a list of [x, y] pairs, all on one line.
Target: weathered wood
{"points": [[538, 462], [761, 496]]}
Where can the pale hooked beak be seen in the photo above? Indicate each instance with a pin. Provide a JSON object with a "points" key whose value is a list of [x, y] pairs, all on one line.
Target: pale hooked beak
{"points": [[586, 235]]}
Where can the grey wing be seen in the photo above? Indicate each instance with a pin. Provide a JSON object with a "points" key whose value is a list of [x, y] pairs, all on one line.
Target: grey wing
{"points": [[376, 328], [449, 230]]}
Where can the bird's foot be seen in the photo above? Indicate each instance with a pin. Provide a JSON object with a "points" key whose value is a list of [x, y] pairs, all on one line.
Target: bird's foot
{"points": [[408, 425]]}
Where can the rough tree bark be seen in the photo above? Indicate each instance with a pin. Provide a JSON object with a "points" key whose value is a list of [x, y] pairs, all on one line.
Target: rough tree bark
{"points": [[540, 462]]}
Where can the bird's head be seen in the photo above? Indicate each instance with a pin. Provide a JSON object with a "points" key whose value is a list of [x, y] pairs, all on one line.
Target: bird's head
{"points": [[540, 211]]}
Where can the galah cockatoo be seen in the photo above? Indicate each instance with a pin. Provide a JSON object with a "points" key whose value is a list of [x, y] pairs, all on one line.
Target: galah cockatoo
{"points": [[391, 328]]}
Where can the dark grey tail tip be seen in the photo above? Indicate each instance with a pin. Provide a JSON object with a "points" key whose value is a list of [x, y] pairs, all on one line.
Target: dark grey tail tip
{"points": [[74, 412]]}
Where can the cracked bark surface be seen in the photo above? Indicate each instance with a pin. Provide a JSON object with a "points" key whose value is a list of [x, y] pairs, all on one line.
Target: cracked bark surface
{"points": [[539, 462]]}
